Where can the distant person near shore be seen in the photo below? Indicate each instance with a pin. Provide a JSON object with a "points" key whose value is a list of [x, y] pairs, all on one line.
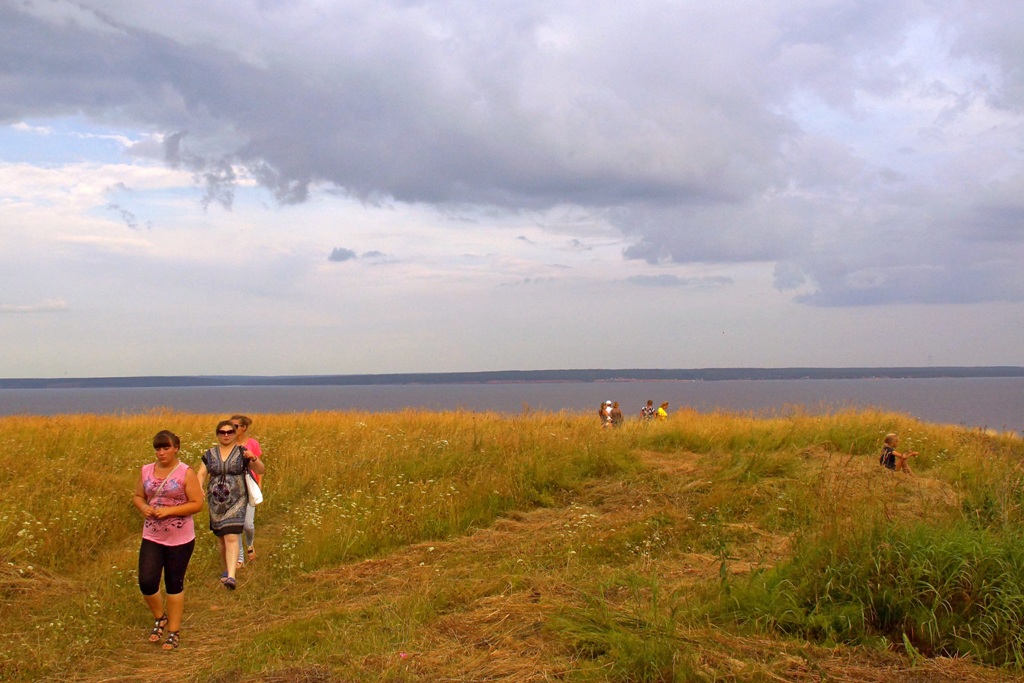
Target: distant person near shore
{"points": [[223, 476], [893, 459], [647, 411], [616, 415], [663, 411], [246, 551], [167, 494], [605, 413]]}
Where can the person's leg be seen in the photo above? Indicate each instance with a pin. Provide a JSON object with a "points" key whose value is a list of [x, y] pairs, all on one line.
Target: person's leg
{"points": [[155, 603], [174, 582], [225, 562], [175, 610], [249, 530], [248, 533], [230, 552], [150, 567]]}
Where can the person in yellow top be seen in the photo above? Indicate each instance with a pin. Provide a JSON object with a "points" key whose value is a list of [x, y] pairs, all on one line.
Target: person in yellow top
{"points": [[662, 412]]}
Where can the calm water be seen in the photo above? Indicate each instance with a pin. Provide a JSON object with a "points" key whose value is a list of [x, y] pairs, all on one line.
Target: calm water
{"points": [[997, 403]]}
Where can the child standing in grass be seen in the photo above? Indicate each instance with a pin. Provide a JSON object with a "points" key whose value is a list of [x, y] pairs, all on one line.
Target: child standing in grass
{"points": [[892, 458], [167, 495]]}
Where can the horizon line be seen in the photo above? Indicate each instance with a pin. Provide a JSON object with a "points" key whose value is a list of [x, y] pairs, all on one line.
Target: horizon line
{"points": [[496, 376]]}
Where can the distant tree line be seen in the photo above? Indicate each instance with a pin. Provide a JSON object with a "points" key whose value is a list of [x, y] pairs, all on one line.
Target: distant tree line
{"points": [[500, 376]]}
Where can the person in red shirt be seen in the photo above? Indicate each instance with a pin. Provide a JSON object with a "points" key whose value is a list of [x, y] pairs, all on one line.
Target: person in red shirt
{"points": [[241, 424]]}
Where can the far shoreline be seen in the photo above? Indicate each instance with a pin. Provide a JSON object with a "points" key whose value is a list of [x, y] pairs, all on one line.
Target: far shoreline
{"points": [[515, 377]]}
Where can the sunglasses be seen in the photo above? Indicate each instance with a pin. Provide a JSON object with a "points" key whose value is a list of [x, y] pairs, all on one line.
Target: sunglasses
{"points": [[222, 432]]}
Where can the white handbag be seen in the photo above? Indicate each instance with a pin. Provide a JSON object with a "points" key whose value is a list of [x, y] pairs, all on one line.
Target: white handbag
{"points": [[255, 494]]}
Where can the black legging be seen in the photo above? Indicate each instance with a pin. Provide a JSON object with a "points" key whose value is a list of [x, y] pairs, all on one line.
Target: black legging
{"points": [[172, 560]]}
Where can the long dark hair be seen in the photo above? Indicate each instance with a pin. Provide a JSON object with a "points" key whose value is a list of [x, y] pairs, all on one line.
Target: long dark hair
{"points": [[165, 439]]}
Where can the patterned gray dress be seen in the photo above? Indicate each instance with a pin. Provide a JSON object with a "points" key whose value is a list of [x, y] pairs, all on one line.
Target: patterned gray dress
{"points": [[226, 494]]}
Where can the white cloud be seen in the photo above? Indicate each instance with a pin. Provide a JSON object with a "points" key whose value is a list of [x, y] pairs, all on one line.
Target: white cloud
{"points": [[48, 306], [106, 242], [35, 130], [853, 155]]}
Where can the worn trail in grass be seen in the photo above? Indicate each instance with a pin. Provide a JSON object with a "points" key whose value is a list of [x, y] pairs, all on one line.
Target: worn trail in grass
{"points": [[537, 596]]}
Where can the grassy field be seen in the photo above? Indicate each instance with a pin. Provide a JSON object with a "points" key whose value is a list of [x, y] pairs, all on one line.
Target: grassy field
{"points": [[461, 546]]}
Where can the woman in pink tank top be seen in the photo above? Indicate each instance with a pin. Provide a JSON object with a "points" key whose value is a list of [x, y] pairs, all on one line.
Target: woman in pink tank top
{"points": [[167, 495]]}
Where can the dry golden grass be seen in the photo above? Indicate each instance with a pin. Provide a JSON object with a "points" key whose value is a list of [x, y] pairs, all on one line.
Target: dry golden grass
{"points": [[490, 602], [494, 629]]}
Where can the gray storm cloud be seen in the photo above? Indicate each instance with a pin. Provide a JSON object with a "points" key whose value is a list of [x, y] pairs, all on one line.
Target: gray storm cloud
{"points": [[341, 254], [713, 133]]}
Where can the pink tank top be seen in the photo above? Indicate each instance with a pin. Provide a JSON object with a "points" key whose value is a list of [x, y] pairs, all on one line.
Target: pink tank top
{"points": [[254, 446], [167, 493]]}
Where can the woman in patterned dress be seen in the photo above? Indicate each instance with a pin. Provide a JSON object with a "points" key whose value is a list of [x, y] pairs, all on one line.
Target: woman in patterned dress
{"points": [[167, 495], [222, 475]]}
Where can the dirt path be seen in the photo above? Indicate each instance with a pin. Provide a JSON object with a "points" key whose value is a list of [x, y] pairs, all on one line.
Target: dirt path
{"points": [[496, 591]]}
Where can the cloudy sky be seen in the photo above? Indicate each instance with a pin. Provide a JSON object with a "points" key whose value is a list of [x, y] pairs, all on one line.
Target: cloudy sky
{"points": [[286, 187]]}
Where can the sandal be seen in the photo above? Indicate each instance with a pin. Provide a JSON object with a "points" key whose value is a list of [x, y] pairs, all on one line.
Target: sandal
{"points": [[239, 564], [157, 632], [172, 641], [230, 583], [251, 553]]}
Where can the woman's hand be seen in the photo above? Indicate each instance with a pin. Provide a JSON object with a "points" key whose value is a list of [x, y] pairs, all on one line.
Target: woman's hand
{"points": [[141, 504], [256, 465]]}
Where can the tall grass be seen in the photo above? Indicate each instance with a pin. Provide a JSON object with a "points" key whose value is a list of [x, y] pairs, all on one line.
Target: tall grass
{"points": [[949, 592], [932, 565], [353, 483], [374, 482], [781, 525], [340, 487]]}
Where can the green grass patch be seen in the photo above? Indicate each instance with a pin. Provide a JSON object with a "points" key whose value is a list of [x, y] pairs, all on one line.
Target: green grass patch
{"points": [[418, 546], [952, 592]]}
